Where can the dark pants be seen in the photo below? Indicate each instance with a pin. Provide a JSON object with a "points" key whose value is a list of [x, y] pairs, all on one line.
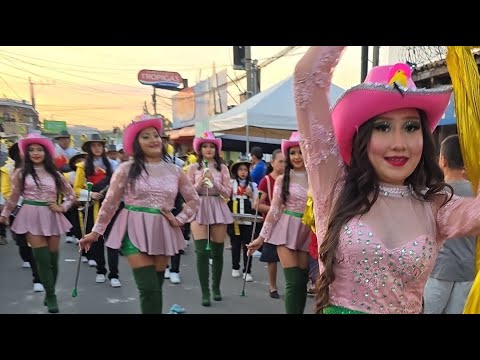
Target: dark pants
{"points": [[74, 218], [97, 249], [175, 259], [239, 242], [25, 252], [3, 231]]}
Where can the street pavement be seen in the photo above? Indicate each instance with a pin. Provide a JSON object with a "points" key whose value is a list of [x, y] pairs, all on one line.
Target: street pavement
{"points": [[17, 296]]}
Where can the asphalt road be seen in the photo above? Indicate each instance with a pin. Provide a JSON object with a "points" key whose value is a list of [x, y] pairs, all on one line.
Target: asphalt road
{"points": [[17, 296]]}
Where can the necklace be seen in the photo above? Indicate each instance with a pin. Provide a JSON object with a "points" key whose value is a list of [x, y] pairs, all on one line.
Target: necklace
{"points": [[401, 191]]}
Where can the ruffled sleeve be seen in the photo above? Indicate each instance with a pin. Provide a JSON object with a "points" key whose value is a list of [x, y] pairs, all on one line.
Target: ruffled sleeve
{"points": [[223, 183], [458, 217], [113, 198], [190, 195], [276, 209], [325, 167]]}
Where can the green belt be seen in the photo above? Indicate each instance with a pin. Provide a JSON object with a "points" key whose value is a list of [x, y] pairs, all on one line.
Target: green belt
{"points": [[143, 209], [293, 213], [340, 310], [35, 202]]}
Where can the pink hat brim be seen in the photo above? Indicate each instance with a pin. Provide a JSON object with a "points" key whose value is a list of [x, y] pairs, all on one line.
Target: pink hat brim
{"points": [[287, 144], [47, 144], [197, 144], [360, 104], [132, 130]]}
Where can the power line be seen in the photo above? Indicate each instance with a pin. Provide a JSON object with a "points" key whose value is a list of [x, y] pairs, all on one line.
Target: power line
{"points": [[18, 96]]}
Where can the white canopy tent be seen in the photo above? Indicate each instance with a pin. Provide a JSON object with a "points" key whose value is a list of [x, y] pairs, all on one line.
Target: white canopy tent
{"points": [[269, 114]]}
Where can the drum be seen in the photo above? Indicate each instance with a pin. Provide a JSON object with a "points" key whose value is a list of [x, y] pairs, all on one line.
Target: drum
{"points": [[247, 217]]}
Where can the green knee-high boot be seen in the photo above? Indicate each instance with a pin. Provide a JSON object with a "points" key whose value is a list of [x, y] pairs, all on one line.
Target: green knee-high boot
{"points": [[291, 288], [54, 264], [301, 291], [203, 269], [217, 269], [149, 289], [161, 279], [44, 267]]}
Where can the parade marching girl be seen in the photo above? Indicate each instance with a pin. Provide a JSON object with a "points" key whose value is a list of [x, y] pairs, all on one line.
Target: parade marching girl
{"points": [[244, 194], [40, 217], [283, 226], [381, 207], [97, 169], [24, 250], [266, 186], [145, 230], [212, 183]]}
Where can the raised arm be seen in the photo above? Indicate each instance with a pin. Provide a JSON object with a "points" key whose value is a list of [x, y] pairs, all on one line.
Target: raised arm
{"points": [[276, 209], [313, 75], [190, 195], [112, 199], [14, 195], [223, 184]]}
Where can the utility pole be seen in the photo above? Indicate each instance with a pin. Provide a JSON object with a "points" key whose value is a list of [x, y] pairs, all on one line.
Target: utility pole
{"points": [[154, 101], [32, 96], [248, 70], [32, 93], [364, 66], [376, 55]]}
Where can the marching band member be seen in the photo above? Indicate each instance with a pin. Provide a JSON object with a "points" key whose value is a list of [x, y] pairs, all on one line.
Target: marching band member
{"points": [[146, 231], [212, 183], [40, 217]]}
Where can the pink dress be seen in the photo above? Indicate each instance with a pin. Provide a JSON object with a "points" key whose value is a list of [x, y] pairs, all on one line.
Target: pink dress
{"points": [[385, 256], [283, 224], [151, 233], [34, 219], [213, 209]]}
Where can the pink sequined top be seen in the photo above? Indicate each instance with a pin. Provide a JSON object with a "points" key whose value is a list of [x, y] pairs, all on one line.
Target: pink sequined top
{"points": [[296, 201], [157, 189], [384, 257], [45, 191], [221, 180]]}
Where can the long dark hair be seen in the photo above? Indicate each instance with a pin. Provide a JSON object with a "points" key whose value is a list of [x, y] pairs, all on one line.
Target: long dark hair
{"points": [[90, 168], [286, 178], [217, 158], [29, 169], [361, 185], [139, 161]]}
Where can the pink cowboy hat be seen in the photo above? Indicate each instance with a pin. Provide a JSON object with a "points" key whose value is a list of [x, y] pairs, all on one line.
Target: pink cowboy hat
{"points": [[207, 137], [385, 88], [36, 139], [293, 141], [140, 123]]}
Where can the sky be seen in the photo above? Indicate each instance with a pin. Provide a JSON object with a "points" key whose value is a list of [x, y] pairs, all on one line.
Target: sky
{"points": [[97, 86]]}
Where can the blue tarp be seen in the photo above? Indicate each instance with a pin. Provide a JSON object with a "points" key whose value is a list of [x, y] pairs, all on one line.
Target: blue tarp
{"points": [[449, 117]]}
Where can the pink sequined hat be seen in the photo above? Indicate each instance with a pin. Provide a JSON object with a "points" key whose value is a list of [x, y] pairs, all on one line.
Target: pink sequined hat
{"points": [[140, 123], [207, 137], [36, 139], [293, 141], [386, 88]]}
